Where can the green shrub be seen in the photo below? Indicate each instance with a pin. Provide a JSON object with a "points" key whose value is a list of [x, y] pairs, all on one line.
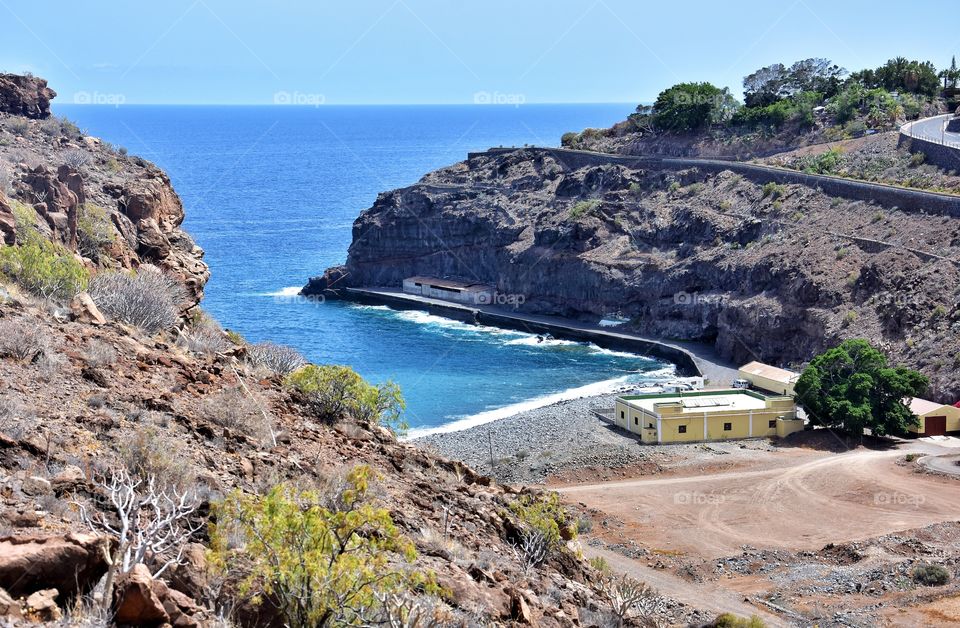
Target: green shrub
{"points": [[773, 190], [584, 208], [600, 564], [569, 139], [546, 515], [25, 218], [43, 268], [94, 230], [337, 391], [917, 159], [729, 620], [849, 318], [324, 560], [824, 163], [930, 575]]}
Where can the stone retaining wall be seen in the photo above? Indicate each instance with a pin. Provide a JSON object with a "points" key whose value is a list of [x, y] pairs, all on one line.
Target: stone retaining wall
{"points": [[884, 195]]}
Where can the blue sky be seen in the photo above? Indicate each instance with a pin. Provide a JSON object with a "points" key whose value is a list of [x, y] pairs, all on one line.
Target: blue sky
{"points": [[443, 51]]}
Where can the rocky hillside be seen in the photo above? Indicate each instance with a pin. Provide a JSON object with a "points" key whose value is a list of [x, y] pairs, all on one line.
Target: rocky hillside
{"points": [[769, 272], [113, 209], [127, 430]]}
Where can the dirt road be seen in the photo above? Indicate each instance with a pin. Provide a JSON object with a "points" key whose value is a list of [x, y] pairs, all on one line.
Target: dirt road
{"points": [[714, 599], [799, 506]]}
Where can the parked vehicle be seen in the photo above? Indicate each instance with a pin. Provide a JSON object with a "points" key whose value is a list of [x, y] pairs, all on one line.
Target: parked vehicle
{"points": [[741, 383]]}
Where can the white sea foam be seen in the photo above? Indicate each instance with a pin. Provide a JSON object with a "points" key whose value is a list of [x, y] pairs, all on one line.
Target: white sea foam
{"points": [[290, 291], [488, 416], [540, 341]]}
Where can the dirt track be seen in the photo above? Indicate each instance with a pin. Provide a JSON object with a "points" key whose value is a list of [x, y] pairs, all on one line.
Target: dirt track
{"points": [[802, 505]]}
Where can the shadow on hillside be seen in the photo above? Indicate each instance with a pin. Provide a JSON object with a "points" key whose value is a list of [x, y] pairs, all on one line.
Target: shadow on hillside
{"points": [[823, 439]]}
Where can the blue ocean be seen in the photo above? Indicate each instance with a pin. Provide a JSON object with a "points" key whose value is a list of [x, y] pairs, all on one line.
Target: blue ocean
{"points": [[271, 194]]}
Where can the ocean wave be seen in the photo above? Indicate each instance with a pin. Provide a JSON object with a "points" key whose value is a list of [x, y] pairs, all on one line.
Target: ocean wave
{"points": [[540, 341], [290, 291], [489, 416]]}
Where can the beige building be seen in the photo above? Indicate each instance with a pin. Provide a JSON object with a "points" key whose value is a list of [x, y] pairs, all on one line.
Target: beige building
{"points": [[706, 415], [936, 419], [769, 378], [449, 290]]}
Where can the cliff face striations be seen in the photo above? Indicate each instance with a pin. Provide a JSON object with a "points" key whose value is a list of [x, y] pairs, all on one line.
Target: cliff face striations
{"points": [[774, 272]]}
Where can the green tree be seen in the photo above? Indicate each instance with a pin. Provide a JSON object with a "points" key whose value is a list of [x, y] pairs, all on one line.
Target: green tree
{"points": [[336, 391], [902, 75], [693, 106], [852, 387], [325, 560]]}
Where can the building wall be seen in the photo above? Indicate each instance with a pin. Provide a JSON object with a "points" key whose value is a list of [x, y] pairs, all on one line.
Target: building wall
{"points": [[765, 383], [637, 421], [953, 419]]}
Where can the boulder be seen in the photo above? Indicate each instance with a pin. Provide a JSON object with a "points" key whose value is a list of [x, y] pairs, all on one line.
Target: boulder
{"points": [[42, 605], [8, 224], [134, 600], [190, 576], [25, 95], [141, 600], [36, 485], [71, 563], [9, 607], [86, 311]]}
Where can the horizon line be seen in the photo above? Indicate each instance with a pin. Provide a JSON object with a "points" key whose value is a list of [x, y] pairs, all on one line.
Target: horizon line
{"points": [[346, 104]]}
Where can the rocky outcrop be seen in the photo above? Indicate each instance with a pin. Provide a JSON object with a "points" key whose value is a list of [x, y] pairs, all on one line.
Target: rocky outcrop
{"points": [[63, 175], [775, 273], [71, 563], [25, 95]]}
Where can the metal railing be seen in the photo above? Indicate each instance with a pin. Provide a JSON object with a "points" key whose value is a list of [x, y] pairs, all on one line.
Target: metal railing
{"points": [[944, 139]]}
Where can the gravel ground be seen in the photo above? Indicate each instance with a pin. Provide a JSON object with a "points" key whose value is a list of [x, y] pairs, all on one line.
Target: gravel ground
{"points": [[566, 436], [534, 444]]}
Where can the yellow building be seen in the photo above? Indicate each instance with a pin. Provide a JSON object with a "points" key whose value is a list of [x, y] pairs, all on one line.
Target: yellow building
{"points": [[706, 415], [770, 378], [936, 419]]}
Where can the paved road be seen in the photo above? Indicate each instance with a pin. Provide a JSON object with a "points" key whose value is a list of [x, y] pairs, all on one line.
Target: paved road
{"points": [[933, 129]]}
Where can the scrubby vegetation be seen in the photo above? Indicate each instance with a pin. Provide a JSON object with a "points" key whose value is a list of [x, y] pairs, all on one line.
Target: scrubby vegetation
{"points": [[584, 208], [94, 231], [280, 359], [325, 560], [930, 575], [335, 391], [42, 267], [149, 299]]}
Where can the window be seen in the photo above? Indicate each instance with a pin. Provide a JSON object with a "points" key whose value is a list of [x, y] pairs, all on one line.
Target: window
{"points": [[636, 421], [651, 426], [621, 414], [682, 429], [727, 427], [772, 424]]}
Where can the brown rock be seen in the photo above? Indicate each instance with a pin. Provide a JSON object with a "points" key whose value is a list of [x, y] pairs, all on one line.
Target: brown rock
{"points": [[191, 575], [43, 605], [86, 311], [519, 609], [71, 564], [25, 95], [135, 601], [9, 607], [8, 225]]}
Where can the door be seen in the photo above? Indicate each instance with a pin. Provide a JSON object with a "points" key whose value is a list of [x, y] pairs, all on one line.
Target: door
{"points": [[935, 426]]}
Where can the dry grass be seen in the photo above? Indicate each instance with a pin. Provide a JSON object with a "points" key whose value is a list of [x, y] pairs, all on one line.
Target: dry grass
{"points": [[23, 340], [238, 411]]}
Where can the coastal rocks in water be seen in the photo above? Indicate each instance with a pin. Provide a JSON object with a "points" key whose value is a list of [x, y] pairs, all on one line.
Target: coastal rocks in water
{"points": [[71, 564], [762, 273], [25, 95]]}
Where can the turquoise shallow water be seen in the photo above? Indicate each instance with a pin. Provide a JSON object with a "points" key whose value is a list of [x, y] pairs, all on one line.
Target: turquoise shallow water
{"points": [[271, 194]]}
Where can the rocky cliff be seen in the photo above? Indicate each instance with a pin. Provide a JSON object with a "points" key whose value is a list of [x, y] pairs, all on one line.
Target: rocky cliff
{"points": [[769, 272], [186, 408], [112, 209]]}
